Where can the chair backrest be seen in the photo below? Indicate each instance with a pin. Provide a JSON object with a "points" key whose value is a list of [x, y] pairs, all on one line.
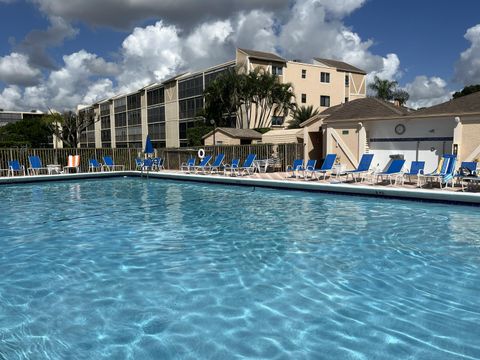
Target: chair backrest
{"points": [[14, 165], [218, 160], [249, 160], [148, 162], [329, 162], [35, 162], [205, 161], [365, 162], [311, 164], [73, 161], [395, 166], [469, 165], [108, 160], [94, 163], [138, 162], [297, 164], [416, 167], [235, 163], [451, 164]]}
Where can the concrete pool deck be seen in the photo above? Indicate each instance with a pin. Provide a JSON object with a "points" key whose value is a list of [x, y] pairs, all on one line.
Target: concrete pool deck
{"points": [[278, 181]]}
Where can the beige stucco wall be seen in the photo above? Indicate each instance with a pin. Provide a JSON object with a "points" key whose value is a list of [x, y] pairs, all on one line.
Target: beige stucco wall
{"points": [[171, 115], [282, 136], [221, 138], [469, 149], [346, 146]]}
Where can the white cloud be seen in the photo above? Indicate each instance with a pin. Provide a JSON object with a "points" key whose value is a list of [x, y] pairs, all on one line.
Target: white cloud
{"points": [[319, 24], [10, 96], [150, 54], [467, 68], [426, 91], [15, 70]]}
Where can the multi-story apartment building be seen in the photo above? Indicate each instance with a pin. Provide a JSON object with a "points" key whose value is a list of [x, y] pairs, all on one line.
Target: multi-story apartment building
{"points": [[7, 117], [166, 110]]}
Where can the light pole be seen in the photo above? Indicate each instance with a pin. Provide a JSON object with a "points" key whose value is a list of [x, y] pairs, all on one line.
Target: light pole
{"points": [[214, 130]]}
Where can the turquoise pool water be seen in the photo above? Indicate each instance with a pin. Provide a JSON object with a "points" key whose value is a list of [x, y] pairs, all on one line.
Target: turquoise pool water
{"points": [[152, 269]]}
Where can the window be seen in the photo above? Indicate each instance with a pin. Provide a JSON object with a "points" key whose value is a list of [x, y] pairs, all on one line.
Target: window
{"points": [[105, 122], [120, 105], [189, 108], [345, 132], [134, 117], [156, 114], [277, 70], [121, 120], [304, 74], [134, 101], [277, 120], [304, 98], [325, 101], [104, 109], [156, 96], [190, 87], [347, 80], [325, 77]]}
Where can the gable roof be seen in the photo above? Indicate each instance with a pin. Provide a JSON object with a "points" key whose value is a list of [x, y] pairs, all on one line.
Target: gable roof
{"points": [[462, 105], [236, 133], [364, 109], [260, 55], [340, 65]]}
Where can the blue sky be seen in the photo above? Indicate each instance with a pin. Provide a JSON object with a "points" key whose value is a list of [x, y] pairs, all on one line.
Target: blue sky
{"points": [[56, 53]]}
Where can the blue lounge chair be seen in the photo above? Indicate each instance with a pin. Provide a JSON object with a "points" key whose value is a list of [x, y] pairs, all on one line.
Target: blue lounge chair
{"points": [[188, 166], [158, 164], [94, 165], [326, 167], [147, 165], [217, 164], [109, 165], [363, 167], [138, 164], [294, 168], [416, 168], [35, 165], [248, 166], [15, 167], [468, 169], [444, 172], [393, 172], [310, 166], [232, 167], [203, 164]]}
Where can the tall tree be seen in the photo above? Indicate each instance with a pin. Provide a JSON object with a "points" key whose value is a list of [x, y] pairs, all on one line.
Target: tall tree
{"points": [[301, 114], [26, 132], [467, 90], [253, 98], [68, 126], [401, 96], [384, 89]]}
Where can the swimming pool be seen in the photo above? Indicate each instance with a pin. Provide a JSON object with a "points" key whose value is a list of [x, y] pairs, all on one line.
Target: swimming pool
{"points": [[156, 269]]}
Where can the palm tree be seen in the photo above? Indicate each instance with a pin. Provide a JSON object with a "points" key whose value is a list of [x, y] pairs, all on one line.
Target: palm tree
{"points": [[384, 89], [301, 114]]}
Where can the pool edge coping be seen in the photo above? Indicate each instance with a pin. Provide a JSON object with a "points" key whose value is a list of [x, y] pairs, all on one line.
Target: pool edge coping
{"points": [[337, 188]]}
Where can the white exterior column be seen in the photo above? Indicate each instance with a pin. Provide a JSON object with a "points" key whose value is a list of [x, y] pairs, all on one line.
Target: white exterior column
{"points": [[362, 139], [457, 136]]}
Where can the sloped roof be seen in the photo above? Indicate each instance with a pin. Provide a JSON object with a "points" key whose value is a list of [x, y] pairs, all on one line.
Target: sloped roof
{"points": [[462, 105], [237, 133], [260, 55], [364, 109], [279, 132], [340, 65], [173, 78]]}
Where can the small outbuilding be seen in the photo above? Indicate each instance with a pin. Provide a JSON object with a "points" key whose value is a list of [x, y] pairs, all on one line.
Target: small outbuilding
{"points": [[232, 136]]}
